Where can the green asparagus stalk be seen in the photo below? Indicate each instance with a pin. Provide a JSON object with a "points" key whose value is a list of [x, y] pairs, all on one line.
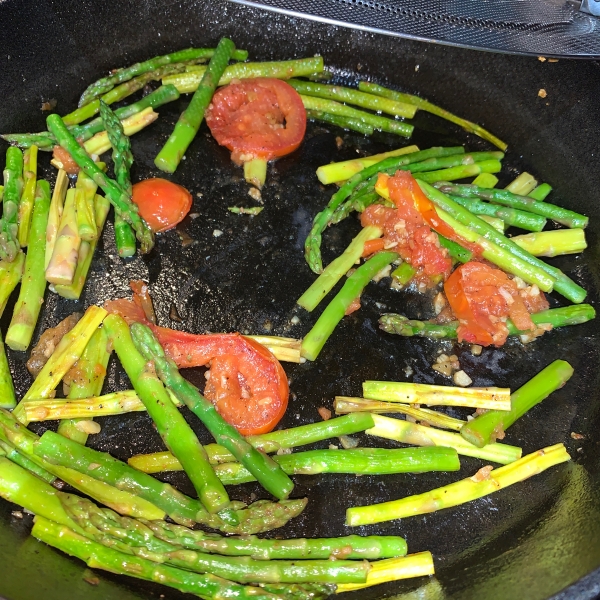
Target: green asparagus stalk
{"points": [[522, 185], [411, 433], [97, 556], [266, 471], [462, 171], [104, 85], [359, 461], [28, 196], [455, 250], [10, 275], [255, 172], [172, 427], [33, 286], [490, 398], [56, 210], [432, 108], [540, 192], [565, 217], [342, 110], [100, 143], [341, 171], [88, 381], [8, 399], [486, 180], [188, 82], [413, 565], [14, 456], [13, 433], [562, 284], [347, 405], [313, 241], [350, 123], [114, 193], [324, 283], [63, 262], [334, 312], [492, 425], [266, 442], [85, 193], [555, 317], [484, 482], [354, 97], [552, 243], [189, 122], [85, 255], [511, 216], [13, 187]]}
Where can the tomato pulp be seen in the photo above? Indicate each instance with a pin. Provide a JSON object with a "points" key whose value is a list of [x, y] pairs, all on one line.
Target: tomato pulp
{"points": [[161, 203], [257, 118]]}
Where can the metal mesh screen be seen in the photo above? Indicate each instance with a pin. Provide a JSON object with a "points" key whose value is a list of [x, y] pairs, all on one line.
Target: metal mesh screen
{"points": [[539, 27]]}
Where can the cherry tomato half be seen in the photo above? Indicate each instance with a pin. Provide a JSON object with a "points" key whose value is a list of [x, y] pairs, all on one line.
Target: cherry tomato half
{"points": [[162, 204], [257, 118]]}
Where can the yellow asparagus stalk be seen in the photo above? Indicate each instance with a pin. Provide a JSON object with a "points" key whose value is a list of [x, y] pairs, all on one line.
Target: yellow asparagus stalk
{"points": [[56, 210], [28, 195], [63, 262]]}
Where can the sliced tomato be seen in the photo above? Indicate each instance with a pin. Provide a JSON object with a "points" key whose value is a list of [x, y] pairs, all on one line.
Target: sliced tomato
{"points": [[257, 118], [482, 297], [161, 203], [245, 382]]}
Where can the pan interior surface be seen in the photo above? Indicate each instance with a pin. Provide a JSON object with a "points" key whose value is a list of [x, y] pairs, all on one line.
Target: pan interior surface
{"points": [[532, 540]]}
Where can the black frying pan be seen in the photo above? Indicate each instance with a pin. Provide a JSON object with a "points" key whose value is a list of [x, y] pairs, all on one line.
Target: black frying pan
{"points": [[529, 541]]}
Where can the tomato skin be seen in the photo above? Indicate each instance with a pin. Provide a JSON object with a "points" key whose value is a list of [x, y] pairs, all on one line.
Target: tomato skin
{"points": [[257, 118], [482, 298], [161, 203]]}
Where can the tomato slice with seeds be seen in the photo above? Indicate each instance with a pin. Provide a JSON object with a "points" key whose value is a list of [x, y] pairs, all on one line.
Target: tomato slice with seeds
{"points": [[161, 203], [257, 118]]}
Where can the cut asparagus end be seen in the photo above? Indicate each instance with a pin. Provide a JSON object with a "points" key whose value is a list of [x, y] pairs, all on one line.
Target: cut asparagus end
{"points": [[523, 185], [255, 172]]}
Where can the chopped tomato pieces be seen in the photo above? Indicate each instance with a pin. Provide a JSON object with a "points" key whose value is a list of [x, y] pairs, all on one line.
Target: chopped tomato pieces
{"points": [[161, 203], [482, 298], [257, 118]]}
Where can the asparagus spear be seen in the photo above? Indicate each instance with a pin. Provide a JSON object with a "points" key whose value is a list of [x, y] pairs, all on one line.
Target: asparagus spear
{"points": [[552, 243], [491, 398], [565, 217], [562, 284], [188, 82], [30, 467], [8, 399], [33, 286], [404, 273], [411, 433], [540, 192], [522, 185], [13, 187], [56, 210], [485, 180], [282, 348], [432, 108], [13, 432], [340, 171], [313, 241], [189, 122], [118, 198], [337, 268], [336, 108], [85, 192], [355, 97], [492, 425], [556, 317], [172, 427], [266, 471], [455, 250], [345, 404], [359, 461], [315, 339], [88, 381], [484, 482], [85, 255], [255, 172], [96, 555], [63, 262], [10, 275], [105, 84], [28, 196], [350, 123]]}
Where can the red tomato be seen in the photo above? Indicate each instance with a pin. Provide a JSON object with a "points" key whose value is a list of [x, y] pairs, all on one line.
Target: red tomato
{"points": [[245, 382], [257, 118], [161, 203], [482, 298]]}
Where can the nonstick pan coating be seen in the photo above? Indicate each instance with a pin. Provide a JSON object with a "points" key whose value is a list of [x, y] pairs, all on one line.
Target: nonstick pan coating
{"points": [[529, 541]]}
